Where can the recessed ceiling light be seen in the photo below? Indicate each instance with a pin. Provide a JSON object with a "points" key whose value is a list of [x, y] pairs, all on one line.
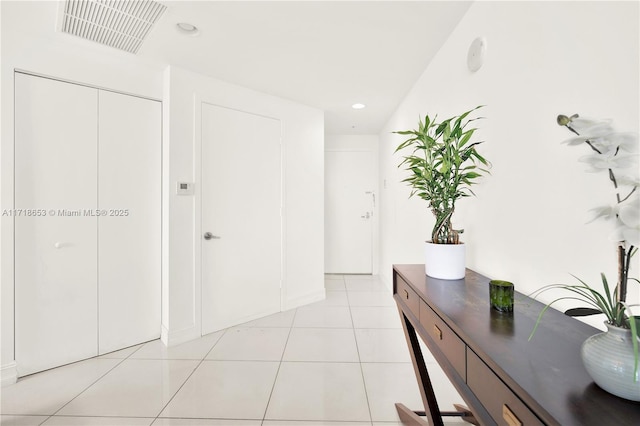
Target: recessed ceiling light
{"points": [[187, 28], [358, 106]]}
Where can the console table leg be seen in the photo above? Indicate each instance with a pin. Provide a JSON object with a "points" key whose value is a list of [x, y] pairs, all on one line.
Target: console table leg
{"points": [[466, 414], [432, 412], [409, 417]]}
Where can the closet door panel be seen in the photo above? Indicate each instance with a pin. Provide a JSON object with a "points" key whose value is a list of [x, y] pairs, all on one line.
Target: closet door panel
{"points": [[129, 234], [55, 241]]}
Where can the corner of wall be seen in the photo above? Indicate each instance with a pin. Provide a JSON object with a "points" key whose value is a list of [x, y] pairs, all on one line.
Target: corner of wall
{"points": [[9, 374], [305, 299], [173, 338]]}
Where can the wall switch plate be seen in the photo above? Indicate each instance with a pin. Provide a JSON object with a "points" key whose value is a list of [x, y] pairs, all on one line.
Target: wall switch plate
{"points": [[184, 188]]}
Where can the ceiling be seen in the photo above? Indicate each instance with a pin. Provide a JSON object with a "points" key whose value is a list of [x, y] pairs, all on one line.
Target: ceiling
{"points": [[326, 54]]}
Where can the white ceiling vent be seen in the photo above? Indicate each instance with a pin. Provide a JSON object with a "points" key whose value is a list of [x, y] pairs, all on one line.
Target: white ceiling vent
{"points": [[122, 24]]}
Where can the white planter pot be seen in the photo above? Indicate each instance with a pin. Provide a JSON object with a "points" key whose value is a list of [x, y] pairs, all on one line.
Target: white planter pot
{"points": [[444, 261], [609, 359]]}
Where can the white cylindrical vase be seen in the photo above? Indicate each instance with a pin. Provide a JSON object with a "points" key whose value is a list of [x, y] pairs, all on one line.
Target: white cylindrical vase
{"points": [[444, 261]]}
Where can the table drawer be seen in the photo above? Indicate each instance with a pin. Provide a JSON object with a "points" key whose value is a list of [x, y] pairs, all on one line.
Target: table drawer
{"points": [[408, 296], [501, 403], [446, 340]]}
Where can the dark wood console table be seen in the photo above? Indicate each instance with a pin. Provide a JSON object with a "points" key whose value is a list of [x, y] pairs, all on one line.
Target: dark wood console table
{"points": [[503, 378]]}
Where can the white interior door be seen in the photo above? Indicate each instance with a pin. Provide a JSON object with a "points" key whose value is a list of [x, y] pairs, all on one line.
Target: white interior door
{"points": [[349, 212], [241, 208], [55, 244], [129, 234]]}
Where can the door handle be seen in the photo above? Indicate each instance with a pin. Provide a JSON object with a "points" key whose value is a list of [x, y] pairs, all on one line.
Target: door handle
{"points": [[210, 236], [367, 216]]}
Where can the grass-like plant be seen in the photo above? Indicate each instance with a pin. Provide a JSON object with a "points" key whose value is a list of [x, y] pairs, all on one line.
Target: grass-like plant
{"points": [[618, 313], [442, 166]]}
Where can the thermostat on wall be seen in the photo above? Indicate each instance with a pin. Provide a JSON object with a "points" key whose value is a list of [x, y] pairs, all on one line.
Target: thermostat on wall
{"points": [[184, 188]]}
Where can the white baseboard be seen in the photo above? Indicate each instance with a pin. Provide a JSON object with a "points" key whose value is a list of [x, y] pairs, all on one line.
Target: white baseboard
{"points": [[9, 373], [305, 299], [173, 338]]}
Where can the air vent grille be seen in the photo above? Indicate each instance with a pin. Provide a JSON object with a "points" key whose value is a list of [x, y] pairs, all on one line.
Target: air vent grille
{"points": [[117, 23]]}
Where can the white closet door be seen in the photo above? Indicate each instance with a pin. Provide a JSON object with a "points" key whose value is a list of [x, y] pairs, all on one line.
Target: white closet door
{"points": [[129, 235], [55, 253]]}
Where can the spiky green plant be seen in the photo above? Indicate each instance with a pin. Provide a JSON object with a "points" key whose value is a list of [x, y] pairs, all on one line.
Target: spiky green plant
{"points": [[618, 313]]}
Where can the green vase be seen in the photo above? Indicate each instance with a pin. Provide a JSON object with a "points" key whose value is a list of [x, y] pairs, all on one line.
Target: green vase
{"points": [[501, 295]]}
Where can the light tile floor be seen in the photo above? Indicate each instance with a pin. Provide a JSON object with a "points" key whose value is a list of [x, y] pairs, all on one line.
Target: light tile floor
{"points": [[339, 362]]}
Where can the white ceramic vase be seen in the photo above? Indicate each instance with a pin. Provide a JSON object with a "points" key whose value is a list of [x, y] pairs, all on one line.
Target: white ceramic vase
{"points": [[444, 261], [608, 358]]}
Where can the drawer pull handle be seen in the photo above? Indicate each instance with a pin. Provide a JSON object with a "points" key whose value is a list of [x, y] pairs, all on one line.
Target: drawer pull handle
{"points": [[509, 417], [437, 332], [406, 294]]}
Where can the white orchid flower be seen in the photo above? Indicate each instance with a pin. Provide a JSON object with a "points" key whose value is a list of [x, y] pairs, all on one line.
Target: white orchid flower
{"points": [[627, 215], [629, 234], [615, 153], [587, 129], [625, 233], [605, 142], [609, 160], [629, 211], [631, 179], [617, 141], [605, 212], [589, 126]]}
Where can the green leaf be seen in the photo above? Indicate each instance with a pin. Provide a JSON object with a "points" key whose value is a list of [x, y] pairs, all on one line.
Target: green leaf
{"points": [[465, 137], [582, 312], [633, 323]]}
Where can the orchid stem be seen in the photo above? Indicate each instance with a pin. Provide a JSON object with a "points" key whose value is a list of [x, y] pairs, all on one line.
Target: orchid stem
{"points": [[629, 194]]}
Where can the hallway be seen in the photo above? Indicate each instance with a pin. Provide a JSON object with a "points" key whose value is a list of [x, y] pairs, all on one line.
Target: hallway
{"points": [[342, 361]]}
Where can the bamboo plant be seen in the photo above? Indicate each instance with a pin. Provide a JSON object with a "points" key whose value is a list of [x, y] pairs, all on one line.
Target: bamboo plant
{"points": [[443, 164]]}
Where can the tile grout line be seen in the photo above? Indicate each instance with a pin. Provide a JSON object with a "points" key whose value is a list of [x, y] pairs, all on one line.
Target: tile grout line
{"points": [[93, 383], [189, 376], [49, 416], [364, 383], [266, 408]]}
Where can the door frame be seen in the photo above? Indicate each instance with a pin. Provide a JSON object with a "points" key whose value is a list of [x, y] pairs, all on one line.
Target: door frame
{"points": [[198, 241]]}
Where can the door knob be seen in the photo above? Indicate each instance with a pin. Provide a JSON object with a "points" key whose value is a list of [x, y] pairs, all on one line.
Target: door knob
{"points": [[210, 236]]}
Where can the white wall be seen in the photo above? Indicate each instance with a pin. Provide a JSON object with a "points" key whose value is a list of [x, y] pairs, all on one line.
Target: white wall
{"points": [[303, 216], [528, 223], [367, 143], [34, 46], [31, 45]]}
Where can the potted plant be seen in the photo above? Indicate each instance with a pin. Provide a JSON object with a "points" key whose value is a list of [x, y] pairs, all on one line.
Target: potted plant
{"points": [[443, 164], [611, 357]]}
